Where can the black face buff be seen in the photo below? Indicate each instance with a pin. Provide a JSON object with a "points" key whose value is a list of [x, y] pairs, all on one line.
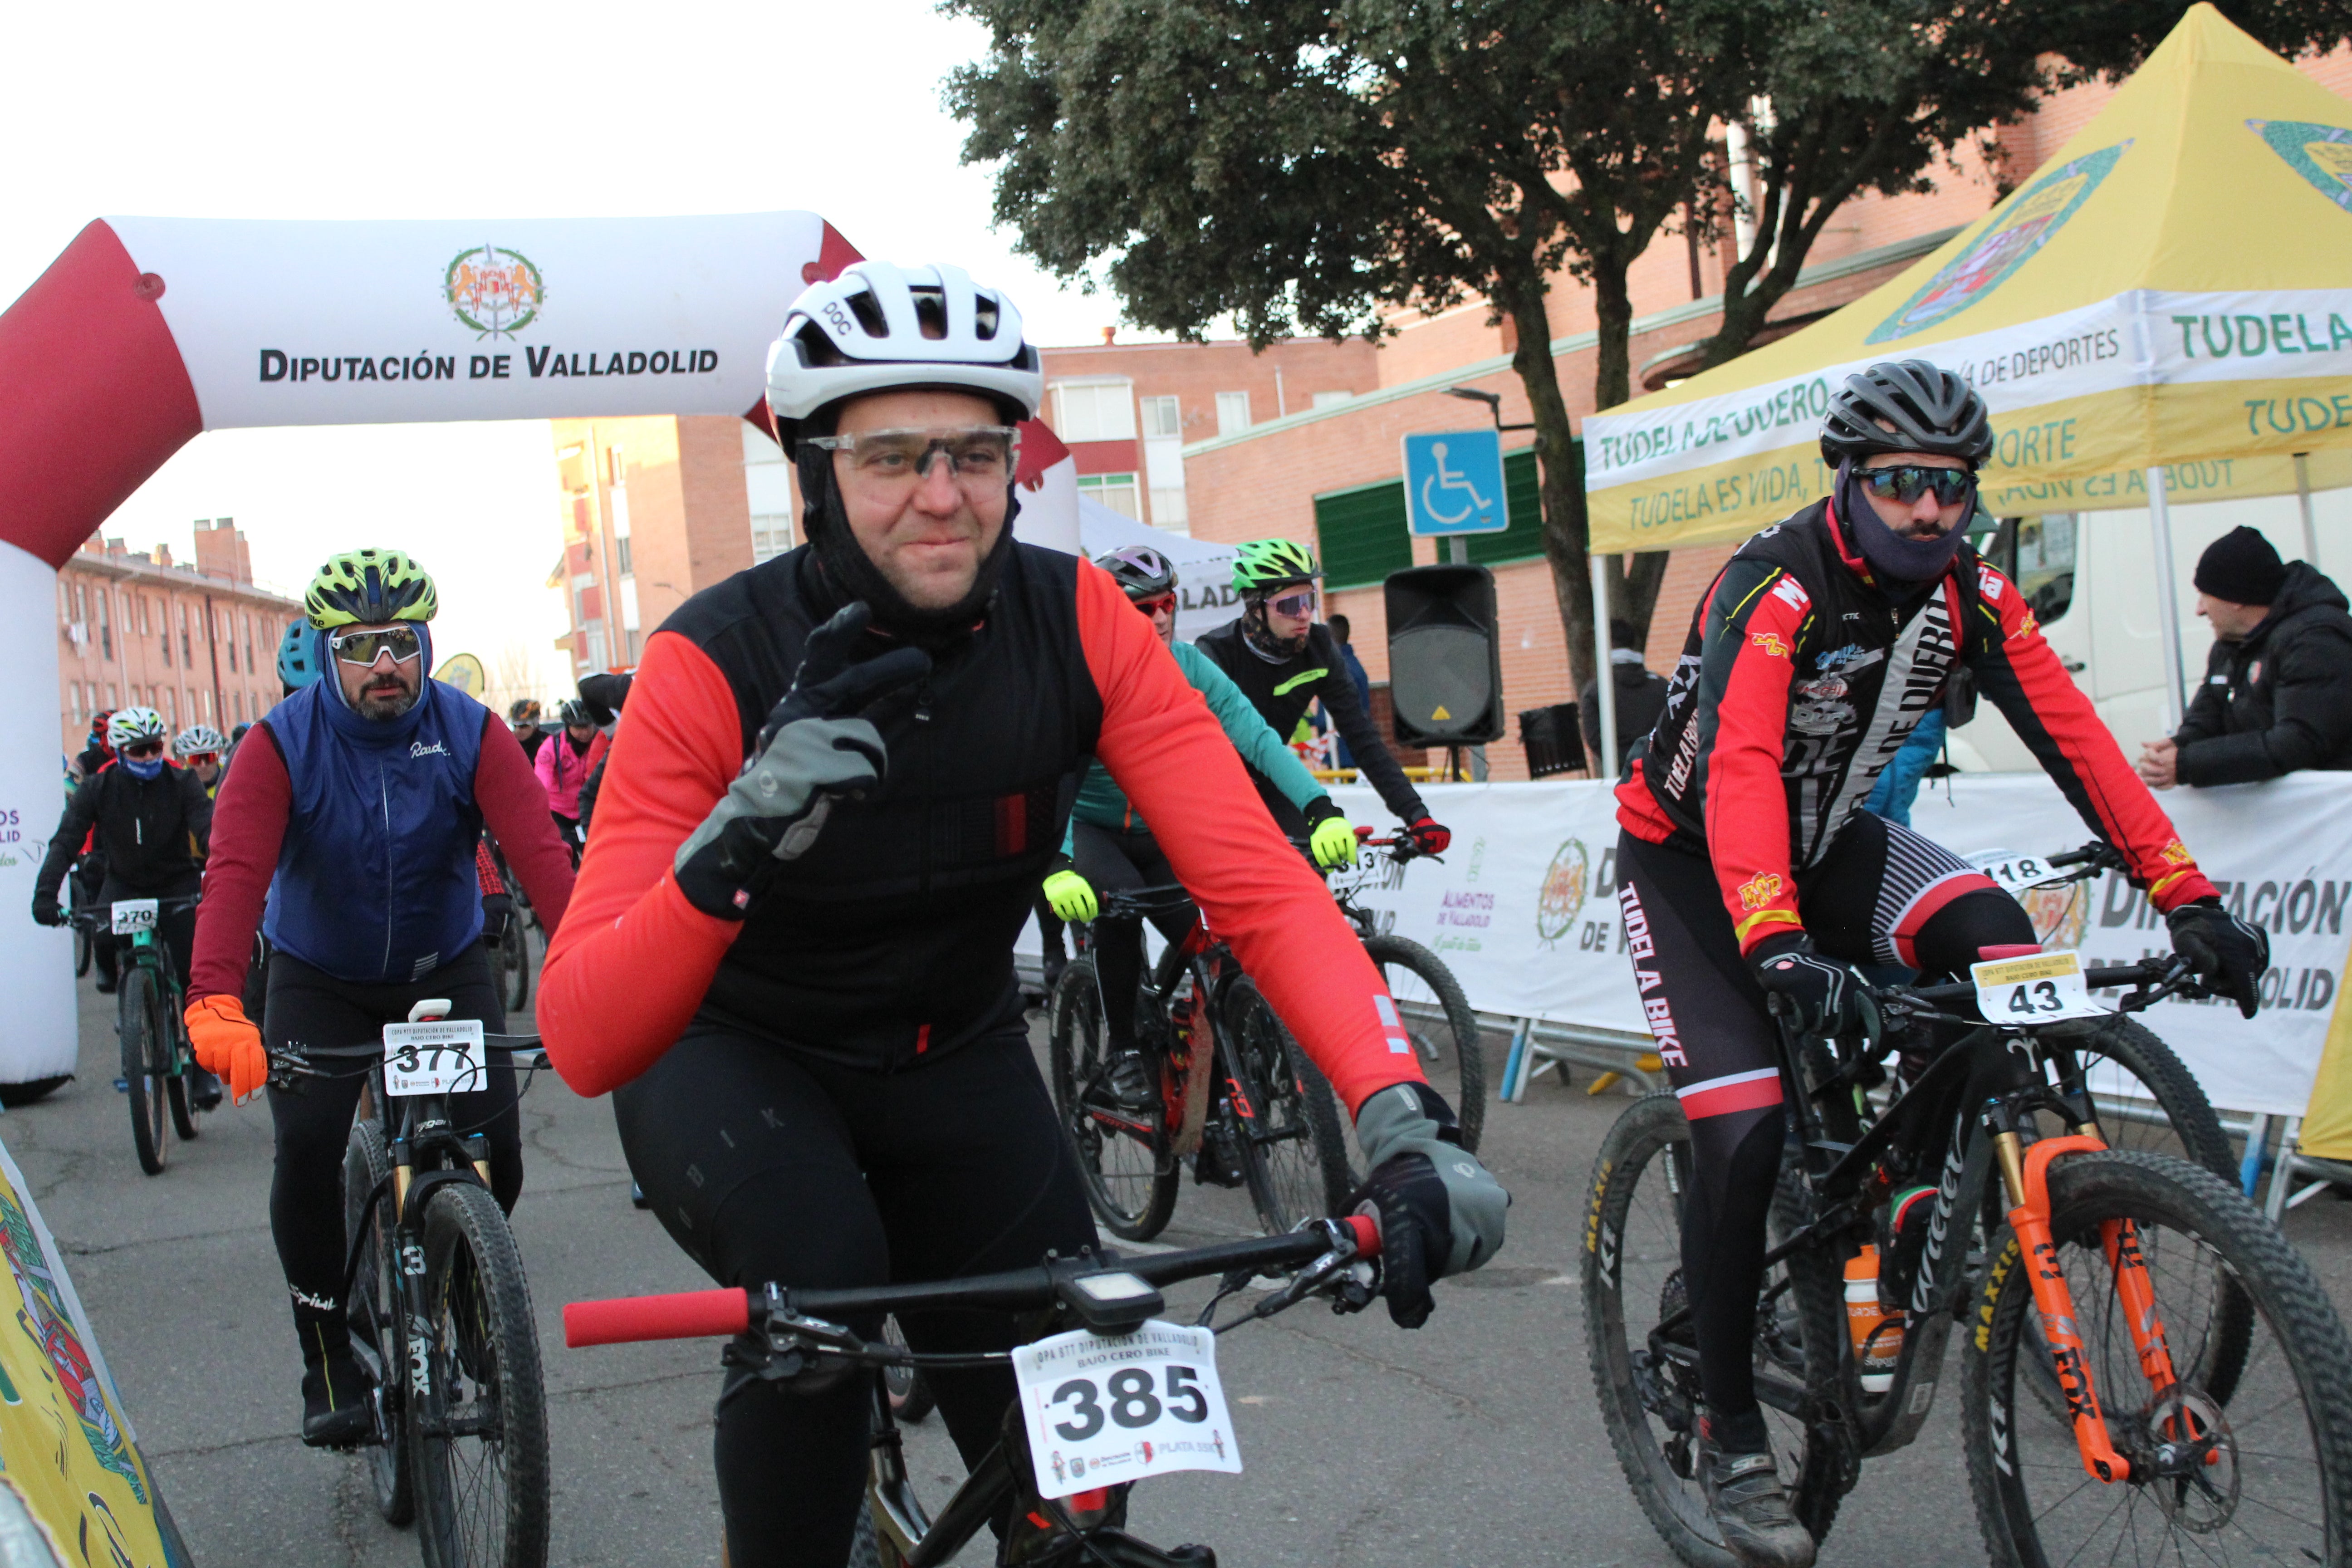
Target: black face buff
{"points": [[1892, 556]]}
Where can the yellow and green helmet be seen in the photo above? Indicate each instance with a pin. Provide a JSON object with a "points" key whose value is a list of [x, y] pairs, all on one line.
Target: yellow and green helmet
{"points": [[1260, 564], [370, 588]]}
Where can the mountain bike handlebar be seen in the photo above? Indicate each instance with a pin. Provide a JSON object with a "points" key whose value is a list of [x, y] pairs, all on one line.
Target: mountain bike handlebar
{"points": [[2159, 977], [695, 1314], [101, 916]]}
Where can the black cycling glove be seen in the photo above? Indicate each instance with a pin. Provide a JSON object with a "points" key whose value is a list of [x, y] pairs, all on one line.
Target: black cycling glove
{"points": [[2228, 953], [812, 750], [1440, 1211], [1828, 996], [46, 910]]}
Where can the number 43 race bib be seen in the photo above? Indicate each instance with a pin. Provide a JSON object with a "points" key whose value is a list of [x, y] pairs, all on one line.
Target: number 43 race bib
{"points": [[2034, 990], [1102, 1409]]}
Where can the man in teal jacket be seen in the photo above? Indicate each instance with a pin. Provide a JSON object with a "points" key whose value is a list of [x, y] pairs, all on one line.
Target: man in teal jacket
{"points": [[1110, 846]]}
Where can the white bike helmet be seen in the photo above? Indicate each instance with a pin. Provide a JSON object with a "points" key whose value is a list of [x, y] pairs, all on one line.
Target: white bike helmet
{"points": [[880, 328], [131, 725], [196, 739]]}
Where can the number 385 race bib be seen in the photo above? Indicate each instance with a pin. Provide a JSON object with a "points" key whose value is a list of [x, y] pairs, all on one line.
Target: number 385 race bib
{"points": [[1104, 1409]]}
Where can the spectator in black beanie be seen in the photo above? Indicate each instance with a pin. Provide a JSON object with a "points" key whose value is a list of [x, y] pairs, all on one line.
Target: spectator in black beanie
{"points": [[2277, 696]]}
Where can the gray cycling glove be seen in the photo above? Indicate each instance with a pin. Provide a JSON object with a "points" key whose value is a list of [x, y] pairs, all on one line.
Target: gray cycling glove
{"points": [[1440, 1211], [812, 750]]}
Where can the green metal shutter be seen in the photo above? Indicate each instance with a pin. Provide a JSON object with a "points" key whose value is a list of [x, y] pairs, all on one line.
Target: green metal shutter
{"points": [[1361, 534]]}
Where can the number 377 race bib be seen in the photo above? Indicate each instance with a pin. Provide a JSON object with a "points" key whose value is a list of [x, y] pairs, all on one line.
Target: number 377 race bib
{"points": [[1103, 1409]]}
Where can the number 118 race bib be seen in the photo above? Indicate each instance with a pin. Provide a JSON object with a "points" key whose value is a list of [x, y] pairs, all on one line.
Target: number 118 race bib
{"points": [[1106, 1409]]}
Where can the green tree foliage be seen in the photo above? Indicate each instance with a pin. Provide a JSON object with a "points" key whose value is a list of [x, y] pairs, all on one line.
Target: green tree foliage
{"points": [[1311, 168]]}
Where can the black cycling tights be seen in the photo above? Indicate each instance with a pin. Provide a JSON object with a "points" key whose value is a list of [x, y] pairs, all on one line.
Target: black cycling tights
{"points": [[766, 1164], [307, 1007], [1882, 895], [1124, 862]]}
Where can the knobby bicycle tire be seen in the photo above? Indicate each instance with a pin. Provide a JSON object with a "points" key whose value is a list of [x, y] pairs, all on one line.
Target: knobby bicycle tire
{"points": [[908, 1391], [514, 958], [2167, 1081], [486, 1392], [1642, 1253], [2199, 1235], [145, 1072], [1294, 1156], [1454, 1037], [1133, 1204], [373, 1309], [85, 948], [180, 1090]]}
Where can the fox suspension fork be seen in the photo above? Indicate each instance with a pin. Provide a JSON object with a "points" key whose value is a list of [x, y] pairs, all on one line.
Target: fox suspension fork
{"points": [[2025, 1177]]}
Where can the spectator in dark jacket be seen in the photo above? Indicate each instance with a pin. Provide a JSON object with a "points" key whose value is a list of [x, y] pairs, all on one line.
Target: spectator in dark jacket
{"points": [[1340, 631], [2277, 696], [1641, 698]]}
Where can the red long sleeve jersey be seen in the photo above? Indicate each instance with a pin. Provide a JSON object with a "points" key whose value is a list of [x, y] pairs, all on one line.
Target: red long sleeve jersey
{"points": [[891, 939], [1802, 678]]}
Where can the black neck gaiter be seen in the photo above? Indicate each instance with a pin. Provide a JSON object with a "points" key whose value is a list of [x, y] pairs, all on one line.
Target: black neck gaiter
{"points": [[851, 575], [1893, 558]]}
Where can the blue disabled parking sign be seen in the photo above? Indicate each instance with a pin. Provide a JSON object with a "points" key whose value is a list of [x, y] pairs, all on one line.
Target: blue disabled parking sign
{"points": [[1454, 482]]}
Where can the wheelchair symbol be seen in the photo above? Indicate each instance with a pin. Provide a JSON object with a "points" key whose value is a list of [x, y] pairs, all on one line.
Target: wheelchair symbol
{"points": [[1448, 480]]}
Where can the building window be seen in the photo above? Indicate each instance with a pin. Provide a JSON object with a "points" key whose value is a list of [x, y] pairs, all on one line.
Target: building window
{"points": [[621, 555], [1093, 410], [205, 698], [187, 645], [772, 534], [1361, 534], [249, 666], [170, 710], [1233, 413], [1116, 491], [1162, 416], [110, 696], [1169, 512], [144, 630], [105, 626]]}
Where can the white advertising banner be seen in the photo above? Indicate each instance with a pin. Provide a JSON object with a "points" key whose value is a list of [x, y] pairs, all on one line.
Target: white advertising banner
{"points": [[351, 323], [1523, 908]]}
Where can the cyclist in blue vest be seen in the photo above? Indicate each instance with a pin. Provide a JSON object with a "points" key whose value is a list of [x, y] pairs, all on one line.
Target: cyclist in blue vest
{"points": [[355, 809]]}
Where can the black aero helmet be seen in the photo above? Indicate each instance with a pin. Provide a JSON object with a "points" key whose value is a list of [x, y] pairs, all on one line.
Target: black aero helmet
{"points": [[1142, 571], [1907, 405]]}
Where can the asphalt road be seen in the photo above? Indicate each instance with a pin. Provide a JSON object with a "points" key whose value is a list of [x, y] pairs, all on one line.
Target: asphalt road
{"points": [[1473, 1441]]}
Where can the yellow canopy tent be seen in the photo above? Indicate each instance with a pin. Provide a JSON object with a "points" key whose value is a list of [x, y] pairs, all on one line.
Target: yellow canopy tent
{"points": [[2165, 308]]}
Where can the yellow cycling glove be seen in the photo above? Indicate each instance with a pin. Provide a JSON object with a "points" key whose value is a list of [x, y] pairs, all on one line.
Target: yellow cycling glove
{"points": [[1071, 896], [1333, 842]]}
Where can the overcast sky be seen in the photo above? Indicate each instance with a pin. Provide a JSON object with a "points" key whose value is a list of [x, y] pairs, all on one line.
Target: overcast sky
{"points": [[524, 109]]}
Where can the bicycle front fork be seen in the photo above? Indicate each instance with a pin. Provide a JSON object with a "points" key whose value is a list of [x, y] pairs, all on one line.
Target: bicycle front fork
{"points": [[2025, 1177]]}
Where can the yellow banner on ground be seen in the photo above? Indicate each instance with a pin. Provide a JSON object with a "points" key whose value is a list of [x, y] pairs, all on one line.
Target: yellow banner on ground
{"points": [[2169, 291], [66, 1450]]}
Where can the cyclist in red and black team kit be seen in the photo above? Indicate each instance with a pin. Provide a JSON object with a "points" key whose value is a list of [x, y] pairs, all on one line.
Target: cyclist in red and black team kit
{"points": [[844, 773], [1748, 867]]}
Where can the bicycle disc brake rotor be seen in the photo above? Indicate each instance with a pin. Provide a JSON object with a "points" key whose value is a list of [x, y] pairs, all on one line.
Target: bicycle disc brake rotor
{"points": [[2192, 1459]]}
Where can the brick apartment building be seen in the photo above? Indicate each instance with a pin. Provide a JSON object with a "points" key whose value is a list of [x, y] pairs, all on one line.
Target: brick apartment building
{"points": [[654, 509], [196, 642]]}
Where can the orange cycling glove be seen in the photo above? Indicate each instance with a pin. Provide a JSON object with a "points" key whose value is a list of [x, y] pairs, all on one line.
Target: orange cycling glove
{"points": [[229, 1044]]}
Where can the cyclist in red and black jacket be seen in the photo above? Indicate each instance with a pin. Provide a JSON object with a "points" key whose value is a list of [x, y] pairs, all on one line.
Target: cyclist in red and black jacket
{"points": [[1748, 866], [844, 773]]}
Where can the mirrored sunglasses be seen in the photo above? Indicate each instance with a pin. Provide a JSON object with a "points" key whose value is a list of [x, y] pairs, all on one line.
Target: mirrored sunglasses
{"points": [[1907, 483], [362, 648], [201, 759], [977, 454], [1164, 604], [1300, 602]]}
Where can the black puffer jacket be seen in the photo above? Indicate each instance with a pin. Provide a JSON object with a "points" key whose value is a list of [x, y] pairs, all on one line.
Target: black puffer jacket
{"points": [[2280, 700], [1641, 699]]}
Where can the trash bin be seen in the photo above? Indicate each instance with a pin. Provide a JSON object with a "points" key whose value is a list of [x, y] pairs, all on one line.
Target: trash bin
{"points": [[1553, 741]]}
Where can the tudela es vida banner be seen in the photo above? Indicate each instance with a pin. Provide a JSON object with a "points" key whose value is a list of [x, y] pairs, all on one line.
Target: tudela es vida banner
{"points": [[1524, 911]]}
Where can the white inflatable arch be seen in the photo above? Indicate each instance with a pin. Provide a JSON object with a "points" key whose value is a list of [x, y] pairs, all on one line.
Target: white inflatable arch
{"points": [[147, 332]]}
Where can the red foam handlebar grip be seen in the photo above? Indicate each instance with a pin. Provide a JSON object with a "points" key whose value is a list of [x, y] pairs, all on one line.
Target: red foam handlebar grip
{"points": [[689, 1314], [1367, 1234]]}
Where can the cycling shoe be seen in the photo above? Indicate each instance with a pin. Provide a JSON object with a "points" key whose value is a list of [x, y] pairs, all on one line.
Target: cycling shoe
{"points": [[1217, 1166], [1128, 1078], [336, 1412], [1743, 1494]]}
